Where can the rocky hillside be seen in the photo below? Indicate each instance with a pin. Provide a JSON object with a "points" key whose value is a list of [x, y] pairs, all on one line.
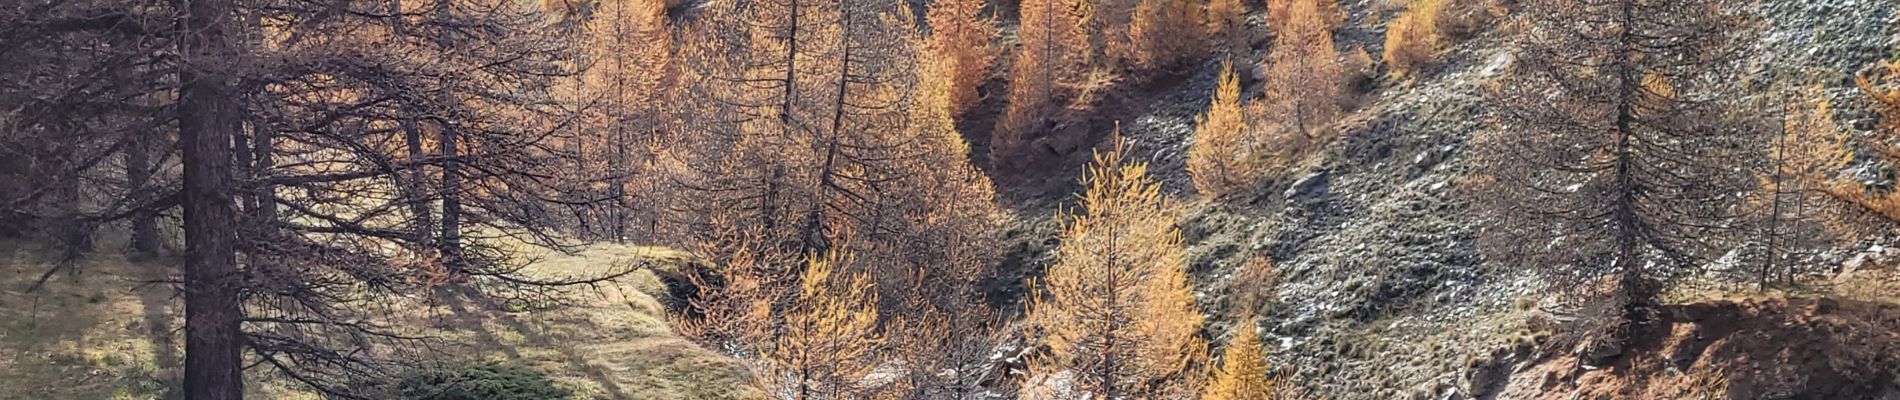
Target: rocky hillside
{"points": [[1381, 292]]}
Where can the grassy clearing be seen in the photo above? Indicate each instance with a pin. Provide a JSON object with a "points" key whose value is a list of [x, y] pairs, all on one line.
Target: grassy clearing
{"points": [[103, 334]]}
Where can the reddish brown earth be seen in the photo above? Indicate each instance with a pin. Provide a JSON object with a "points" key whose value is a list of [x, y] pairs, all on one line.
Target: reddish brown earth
{"points": [[1750, 349]]}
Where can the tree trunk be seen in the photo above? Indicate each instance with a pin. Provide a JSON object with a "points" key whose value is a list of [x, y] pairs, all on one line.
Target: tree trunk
{"points": [[207, 121], [418, 201], [263, 198], [138, 175], [75, 232], [449, 146], [451, 235]]}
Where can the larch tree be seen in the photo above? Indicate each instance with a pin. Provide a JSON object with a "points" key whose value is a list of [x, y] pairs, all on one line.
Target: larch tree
{"points": [[1115, 309], [1878, 84], [827, 340], [1108, 25], [1304, 78], [1227, 26], [963, 38], [1281, 16], [1051, 59], [1222, 160], [624, 59], [1165, 33], [944, 331], [319, 144], [208, 113], [1412, 38], [1609, 154], [945, 342], [1799, 195], [852, 133], [1243, 369]]}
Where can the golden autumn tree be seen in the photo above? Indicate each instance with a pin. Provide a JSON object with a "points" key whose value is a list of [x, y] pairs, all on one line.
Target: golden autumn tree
{"points": [[1227, 25], [964, 39], [1115, 311], [1304, 77], [948, 334], [1108, 25], [828, 339], [1052, 58], [1223, 160], [1165, 32], [1412, 39], [940, 327], [1280, 14], [940, 230], [1427, 27], [618, 92], [845, 126], [1243, 370], [731, 311]]}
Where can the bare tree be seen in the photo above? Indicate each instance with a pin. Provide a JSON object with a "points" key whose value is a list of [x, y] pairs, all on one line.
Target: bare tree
{"points": [[1608, 151]]}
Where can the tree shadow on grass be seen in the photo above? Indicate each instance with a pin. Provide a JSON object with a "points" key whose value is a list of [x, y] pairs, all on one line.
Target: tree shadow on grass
{"points": [[459, 298]]}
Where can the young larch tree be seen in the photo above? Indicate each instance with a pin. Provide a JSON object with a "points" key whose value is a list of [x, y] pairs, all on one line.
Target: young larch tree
{"points": [[1227, 25], [1610, 154], [1799, 194], [1304, 77], [1222, 160], [1115, 310], [965, 40], [628, 55], [1050, 60], [1243, 369], [1165, 33], [865, 144], [828, 339], [1280, 14], [1108, 24]]}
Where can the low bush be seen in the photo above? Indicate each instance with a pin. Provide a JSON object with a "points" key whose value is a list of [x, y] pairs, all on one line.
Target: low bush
{"points": [[477, 382]]}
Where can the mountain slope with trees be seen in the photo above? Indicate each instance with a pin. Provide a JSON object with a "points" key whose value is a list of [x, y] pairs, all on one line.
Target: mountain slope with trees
{"points": [[955, 199]]}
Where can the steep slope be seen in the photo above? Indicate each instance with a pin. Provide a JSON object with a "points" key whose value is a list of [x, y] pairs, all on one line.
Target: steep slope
{"points": [[1381, 292], [1746, 349]]}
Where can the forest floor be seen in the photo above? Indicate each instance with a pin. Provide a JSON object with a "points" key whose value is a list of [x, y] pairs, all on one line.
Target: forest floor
{"points": [[103, 332]]}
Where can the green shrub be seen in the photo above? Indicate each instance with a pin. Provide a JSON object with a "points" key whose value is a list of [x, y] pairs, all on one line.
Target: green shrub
{"points": [[477, 382]]}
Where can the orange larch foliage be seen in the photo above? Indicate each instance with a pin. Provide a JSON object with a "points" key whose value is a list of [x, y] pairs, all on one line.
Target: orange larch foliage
{"points": [[965, 39], [1052, 59], [1414, 39], [828, 339], [1304, 78], [1222, 160], [1165, 32], [1116, 310], [1280, 14], [1878, 85], [1803, 203], [1243, 369]]}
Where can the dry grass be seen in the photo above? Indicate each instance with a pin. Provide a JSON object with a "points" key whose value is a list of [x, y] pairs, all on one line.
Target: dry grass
{"points": [[101, 335], [98, 332]]}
